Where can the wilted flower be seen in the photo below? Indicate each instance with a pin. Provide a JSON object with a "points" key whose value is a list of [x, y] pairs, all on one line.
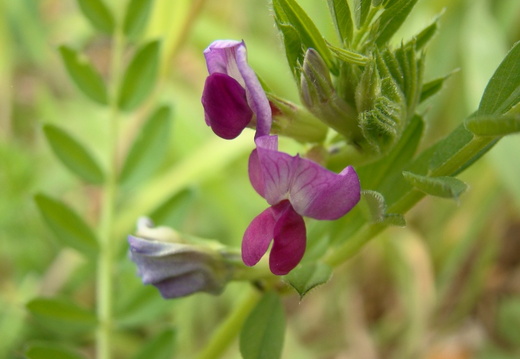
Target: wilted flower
{"points": [[176, 267], [233, 97], [294, 187]]}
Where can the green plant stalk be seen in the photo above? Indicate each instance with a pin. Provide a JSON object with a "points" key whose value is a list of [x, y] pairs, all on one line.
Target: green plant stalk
{"points": [[105, 269], [229, 329], [354, 244]]}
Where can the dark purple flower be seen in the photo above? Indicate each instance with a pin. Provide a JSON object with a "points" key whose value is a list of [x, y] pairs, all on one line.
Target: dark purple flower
{"points": [[233, 96], [177, 268], [294, 187]]}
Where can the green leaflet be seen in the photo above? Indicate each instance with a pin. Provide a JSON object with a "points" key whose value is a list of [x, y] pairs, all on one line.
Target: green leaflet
{"points": [[348, 56], [173, 210], [147, 151], [262, 335], [503, 90], [361, 8], [342, 17], [446, 187], [288, 12], [73, 155], [98, 14], [136, 17], [50, 351], [423, 38], [293, 48], [391, 20], [69, 228], [378, 173], [84, 75], [61, 310], [159, 347], [430, 88], [308, 276], [376, 207], [139, 78], [493, 125]]}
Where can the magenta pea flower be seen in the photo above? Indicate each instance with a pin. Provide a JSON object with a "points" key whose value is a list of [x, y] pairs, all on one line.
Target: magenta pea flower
{"points": [[233, 97], [294, 187]]}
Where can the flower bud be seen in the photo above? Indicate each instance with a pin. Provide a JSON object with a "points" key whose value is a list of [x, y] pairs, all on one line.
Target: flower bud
{"points": [[319, 96]]}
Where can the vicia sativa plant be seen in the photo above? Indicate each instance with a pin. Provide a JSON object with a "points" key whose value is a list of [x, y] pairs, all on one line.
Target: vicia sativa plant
{"points": [[363, 160]]}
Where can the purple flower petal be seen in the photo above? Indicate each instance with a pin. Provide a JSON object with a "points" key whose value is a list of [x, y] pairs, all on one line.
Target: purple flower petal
{"points": [[321, 194], [289, 240], [225, 105], [257, 237], [229, 57], [313, 190]]}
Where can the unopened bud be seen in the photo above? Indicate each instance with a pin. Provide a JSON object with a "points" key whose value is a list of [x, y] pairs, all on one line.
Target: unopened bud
{"points": [[320, 97]]}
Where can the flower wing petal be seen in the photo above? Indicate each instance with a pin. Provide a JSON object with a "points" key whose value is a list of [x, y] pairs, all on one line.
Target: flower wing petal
{"points": [[289, 240], [257, 237], [321, 194]]}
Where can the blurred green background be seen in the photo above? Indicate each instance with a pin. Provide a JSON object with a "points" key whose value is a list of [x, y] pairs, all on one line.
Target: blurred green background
{"points": [[447, 286]]}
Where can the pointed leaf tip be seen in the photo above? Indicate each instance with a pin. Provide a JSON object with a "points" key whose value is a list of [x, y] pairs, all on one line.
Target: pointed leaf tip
{"points": [[446, 187]]}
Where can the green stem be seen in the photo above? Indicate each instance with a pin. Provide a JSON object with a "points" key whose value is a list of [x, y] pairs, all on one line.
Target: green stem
{"points": [[449, 168], [105, 275], [354, 244], [229, 329]]}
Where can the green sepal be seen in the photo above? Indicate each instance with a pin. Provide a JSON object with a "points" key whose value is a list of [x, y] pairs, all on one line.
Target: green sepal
{"points": [[446, 187], [61, 310], [381, 125], [342, 17], [412, 68], [375, 206], [493, 125], [308, 276], [288, 12], [262, 334], [73, 155], [140, 76], [68, 227], [502, 92], [98, 14], [50, 351], [136, 17], [84, 75], [147, 151]]}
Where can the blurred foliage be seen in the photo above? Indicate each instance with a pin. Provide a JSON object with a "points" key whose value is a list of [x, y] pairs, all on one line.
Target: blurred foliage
{"points": [[447, 286]]}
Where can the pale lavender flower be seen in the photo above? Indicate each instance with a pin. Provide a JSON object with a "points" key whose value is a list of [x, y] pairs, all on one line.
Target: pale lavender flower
{"points": [[294, 187], [177, 268], [233, 97]]}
